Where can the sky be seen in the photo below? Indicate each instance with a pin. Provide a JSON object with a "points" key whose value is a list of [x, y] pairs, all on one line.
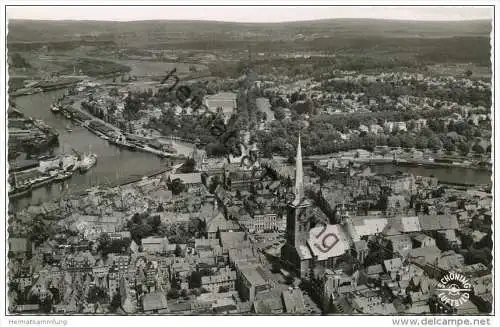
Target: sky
{"points": [[244, 14]]}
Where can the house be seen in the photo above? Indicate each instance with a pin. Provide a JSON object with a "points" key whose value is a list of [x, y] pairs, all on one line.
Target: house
{"points": [[225, 279], [362, 154], [268, 303], [134, 248], [374, 270], [155, 303], [224, 306], [232, 240], [244, 254], [294, 301], [422, 240], [266, 222], [250, 280], [119, 235], [154, 245], [205, 243], [213, 225], [400, 243], [438, 222], [27, 308], [392, 265], [424, 255], [190, 180], [18, 245]]}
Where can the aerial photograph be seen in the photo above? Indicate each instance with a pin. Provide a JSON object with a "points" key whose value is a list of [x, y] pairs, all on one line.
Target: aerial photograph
{"points": [[249, 161]]}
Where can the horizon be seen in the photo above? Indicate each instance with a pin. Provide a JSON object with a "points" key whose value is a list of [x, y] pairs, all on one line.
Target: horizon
{"points": [[235, 22], [249, 14]]}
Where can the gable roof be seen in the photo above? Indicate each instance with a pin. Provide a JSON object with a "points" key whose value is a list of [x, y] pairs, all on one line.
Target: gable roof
{"points": [[438, 222], [369, 225], [18, 244], [268, 302], [154, 301], [392, 264], [294, 301], [374, 269], [232, 239]]}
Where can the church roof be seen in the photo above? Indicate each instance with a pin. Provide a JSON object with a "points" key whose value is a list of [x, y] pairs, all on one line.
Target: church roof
{"points": [[299, 176]]}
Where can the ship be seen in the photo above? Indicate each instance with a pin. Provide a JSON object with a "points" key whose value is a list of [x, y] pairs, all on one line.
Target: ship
{"points": [[17, 190], [63, 176], [122, 143], [55, 108], [43, 180], [87, 162]]}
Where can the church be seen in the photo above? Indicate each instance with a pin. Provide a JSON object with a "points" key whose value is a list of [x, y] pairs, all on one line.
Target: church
{"points": [[312, 248]]}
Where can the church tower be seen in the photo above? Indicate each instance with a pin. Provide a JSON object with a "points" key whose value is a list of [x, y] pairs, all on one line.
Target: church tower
{"points": [[295, 251]]}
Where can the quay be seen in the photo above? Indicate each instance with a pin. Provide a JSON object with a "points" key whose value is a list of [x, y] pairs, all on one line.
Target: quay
{"points": [[109, 132], [28, 175]]}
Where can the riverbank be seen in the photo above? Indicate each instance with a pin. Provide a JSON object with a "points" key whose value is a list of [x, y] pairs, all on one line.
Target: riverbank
{"points": [[437, 162], [116, 164], [48, 85], [28, 136], [107, 131]]}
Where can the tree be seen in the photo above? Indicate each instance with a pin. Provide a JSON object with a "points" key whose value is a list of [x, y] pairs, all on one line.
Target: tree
{"points": [[477, 148], [19, 61], [103, 243], [279, 113], [116, 302], [176, 186], [188, 166], [464, 148], [195, 280], [448, 145], [39, 231], [434, 142], [173, 293], [141, 231], [407, 141], [184, 294], [214, 182], [97, 295], [154, 222], [46, 304], [394, 141]]}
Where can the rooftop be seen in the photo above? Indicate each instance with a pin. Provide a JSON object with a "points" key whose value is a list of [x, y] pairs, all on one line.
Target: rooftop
{"points": [[254, 274], [154, 301]]}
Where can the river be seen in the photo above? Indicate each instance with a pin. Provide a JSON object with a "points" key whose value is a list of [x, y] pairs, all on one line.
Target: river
{"points": [[443, 174], [117, 165], [114, 164]]}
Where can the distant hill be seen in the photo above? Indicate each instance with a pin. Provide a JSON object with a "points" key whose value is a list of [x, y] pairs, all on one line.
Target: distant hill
{"points": [[427, 42], [155, 31]]}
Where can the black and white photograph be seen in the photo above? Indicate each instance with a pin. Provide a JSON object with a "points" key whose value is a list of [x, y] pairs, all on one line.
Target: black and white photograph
{"points": [[271, 160]]}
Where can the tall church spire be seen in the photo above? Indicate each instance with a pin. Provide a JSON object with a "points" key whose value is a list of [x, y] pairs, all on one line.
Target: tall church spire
{"points": [[299, 176]]}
